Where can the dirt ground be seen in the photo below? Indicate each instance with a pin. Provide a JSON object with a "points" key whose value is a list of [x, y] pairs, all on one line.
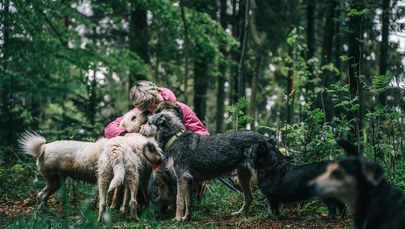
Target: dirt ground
{"points": [[285, 222], [13, 209]]}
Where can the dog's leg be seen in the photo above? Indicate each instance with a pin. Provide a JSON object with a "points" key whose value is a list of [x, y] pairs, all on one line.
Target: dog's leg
{"points": [[132, 181], [331, 205], [182, 188], [187, 200], [52, 186], [102, 195], [114, 198], [125, 199], [244, 176], [274, 206], [342, 209]]}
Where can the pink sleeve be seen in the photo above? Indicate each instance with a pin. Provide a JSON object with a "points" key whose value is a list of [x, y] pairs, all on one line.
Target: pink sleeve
{"points": [[191, 120], [113, 129]]}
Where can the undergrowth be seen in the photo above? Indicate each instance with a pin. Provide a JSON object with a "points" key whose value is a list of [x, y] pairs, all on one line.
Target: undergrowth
{"points": [[75, 206]]}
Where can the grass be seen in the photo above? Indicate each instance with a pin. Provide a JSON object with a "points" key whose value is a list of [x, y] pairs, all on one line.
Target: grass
{"points": [[75, 206]]}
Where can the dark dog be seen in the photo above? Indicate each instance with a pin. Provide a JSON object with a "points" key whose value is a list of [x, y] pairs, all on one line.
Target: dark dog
{"points": [[162, 190], [361, 184], [283, 182], [169, 106], [197, 158]]}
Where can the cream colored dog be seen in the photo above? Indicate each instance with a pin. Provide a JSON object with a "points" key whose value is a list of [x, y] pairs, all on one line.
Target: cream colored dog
{"points": [[60, 159], [76, 159], [122, 162]]}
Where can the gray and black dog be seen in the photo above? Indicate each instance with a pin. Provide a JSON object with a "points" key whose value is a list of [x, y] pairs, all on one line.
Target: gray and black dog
{"points": [[162, 186], [195, 157]]}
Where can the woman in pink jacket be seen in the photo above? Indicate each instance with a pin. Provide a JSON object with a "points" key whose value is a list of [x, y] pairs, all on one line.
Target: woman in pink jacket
{"points": [[146, 96]]}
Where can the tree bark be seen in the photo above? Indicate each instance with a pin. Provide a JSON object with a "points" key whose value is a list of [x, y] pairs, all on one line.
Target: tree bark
{"points": [[326, 58], [354, 63], [256, 69], [384, 44], [138, 38], [311, 11], [219, 116], [186, 51]]}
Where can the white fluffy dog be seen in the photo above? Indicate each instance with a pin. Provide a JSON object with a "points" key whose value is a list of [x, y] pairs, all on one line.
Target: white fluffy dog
{"points": [[76, 159], [122, 162], [60, 159]]}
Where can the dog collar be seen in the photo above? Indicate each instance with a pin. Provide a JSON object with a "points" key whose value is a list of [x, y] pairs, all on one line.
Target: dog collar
{"points": [[173, 138]]}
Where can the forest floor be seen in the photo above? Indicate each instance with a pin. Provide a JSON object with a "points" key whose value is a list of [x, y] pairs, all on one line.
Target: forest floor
{"points": [[76, 206], [292, 219]]}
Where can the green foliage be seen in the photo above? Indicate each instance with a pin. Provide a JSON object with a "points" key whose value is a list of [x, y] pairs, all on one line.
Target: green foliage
{"points": [[238, 118]]}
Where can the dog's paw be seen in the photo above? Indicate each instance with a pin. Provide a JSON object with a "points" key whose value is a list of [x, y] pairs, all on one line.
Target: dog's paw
{"points": [[236, 213], [177, 219]]}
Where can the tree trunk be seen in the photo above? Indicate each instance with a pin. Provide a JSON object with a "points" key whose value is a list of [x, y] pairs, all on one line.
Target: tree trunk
{"points": [[201, 80], [354, 64], [219, 116], [311, 11], [244, 49], [384, 43], [138, 38], [290, 92], [186, 50], [237, 15], [256, 69], [326, 58]]}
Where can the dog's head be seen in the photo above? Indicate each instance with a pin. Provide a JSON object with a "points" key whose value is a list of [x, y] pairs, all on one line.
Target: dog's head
{"points": [[169, 106], [133, 120], [153, 153], [162, 125], [265, 154], [345, 179]]}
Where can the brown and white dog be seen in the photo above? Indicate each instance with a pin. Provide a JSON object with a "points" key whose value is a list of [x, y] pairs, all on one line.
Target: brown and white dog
{"points": [[361, 184]]}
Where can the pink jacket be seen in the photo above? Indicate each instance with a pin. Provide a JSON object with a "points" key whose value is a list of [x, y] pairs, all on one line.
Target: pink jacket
{"points": [[190, 120]]}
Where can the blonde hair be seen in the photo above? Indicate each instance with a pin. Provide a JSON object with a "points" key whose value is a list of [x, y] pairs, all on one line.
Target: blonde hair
{"points": [[143, 94]]}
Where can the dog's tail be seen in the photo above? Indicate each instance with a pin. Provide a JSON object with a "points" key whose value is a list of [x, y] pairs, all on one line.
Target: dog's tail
{"points": [[351, 149], [116, 158], [32, 143]]}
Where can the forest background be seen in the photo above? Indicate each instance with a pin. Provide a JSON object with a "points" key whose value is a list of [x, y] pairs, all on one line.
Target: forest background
{"points": [[304, 72]]}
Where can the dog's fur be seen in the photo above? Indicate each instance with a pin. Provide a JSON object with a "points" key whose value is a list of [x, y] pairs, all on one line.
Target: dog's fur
{"points": [[199, 158], [361, 184], [169, 106], [162, 189], [122, 161], [132, 122], [283, 182], [61, 159]]}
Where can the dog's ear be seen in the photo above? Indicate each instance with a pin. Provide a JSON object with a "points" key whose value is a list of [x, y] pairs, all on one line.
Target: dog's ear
{"points": [[146, 113], [372, 172], [259, 153], [351, 149], [178, 110], [273, 142]]}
